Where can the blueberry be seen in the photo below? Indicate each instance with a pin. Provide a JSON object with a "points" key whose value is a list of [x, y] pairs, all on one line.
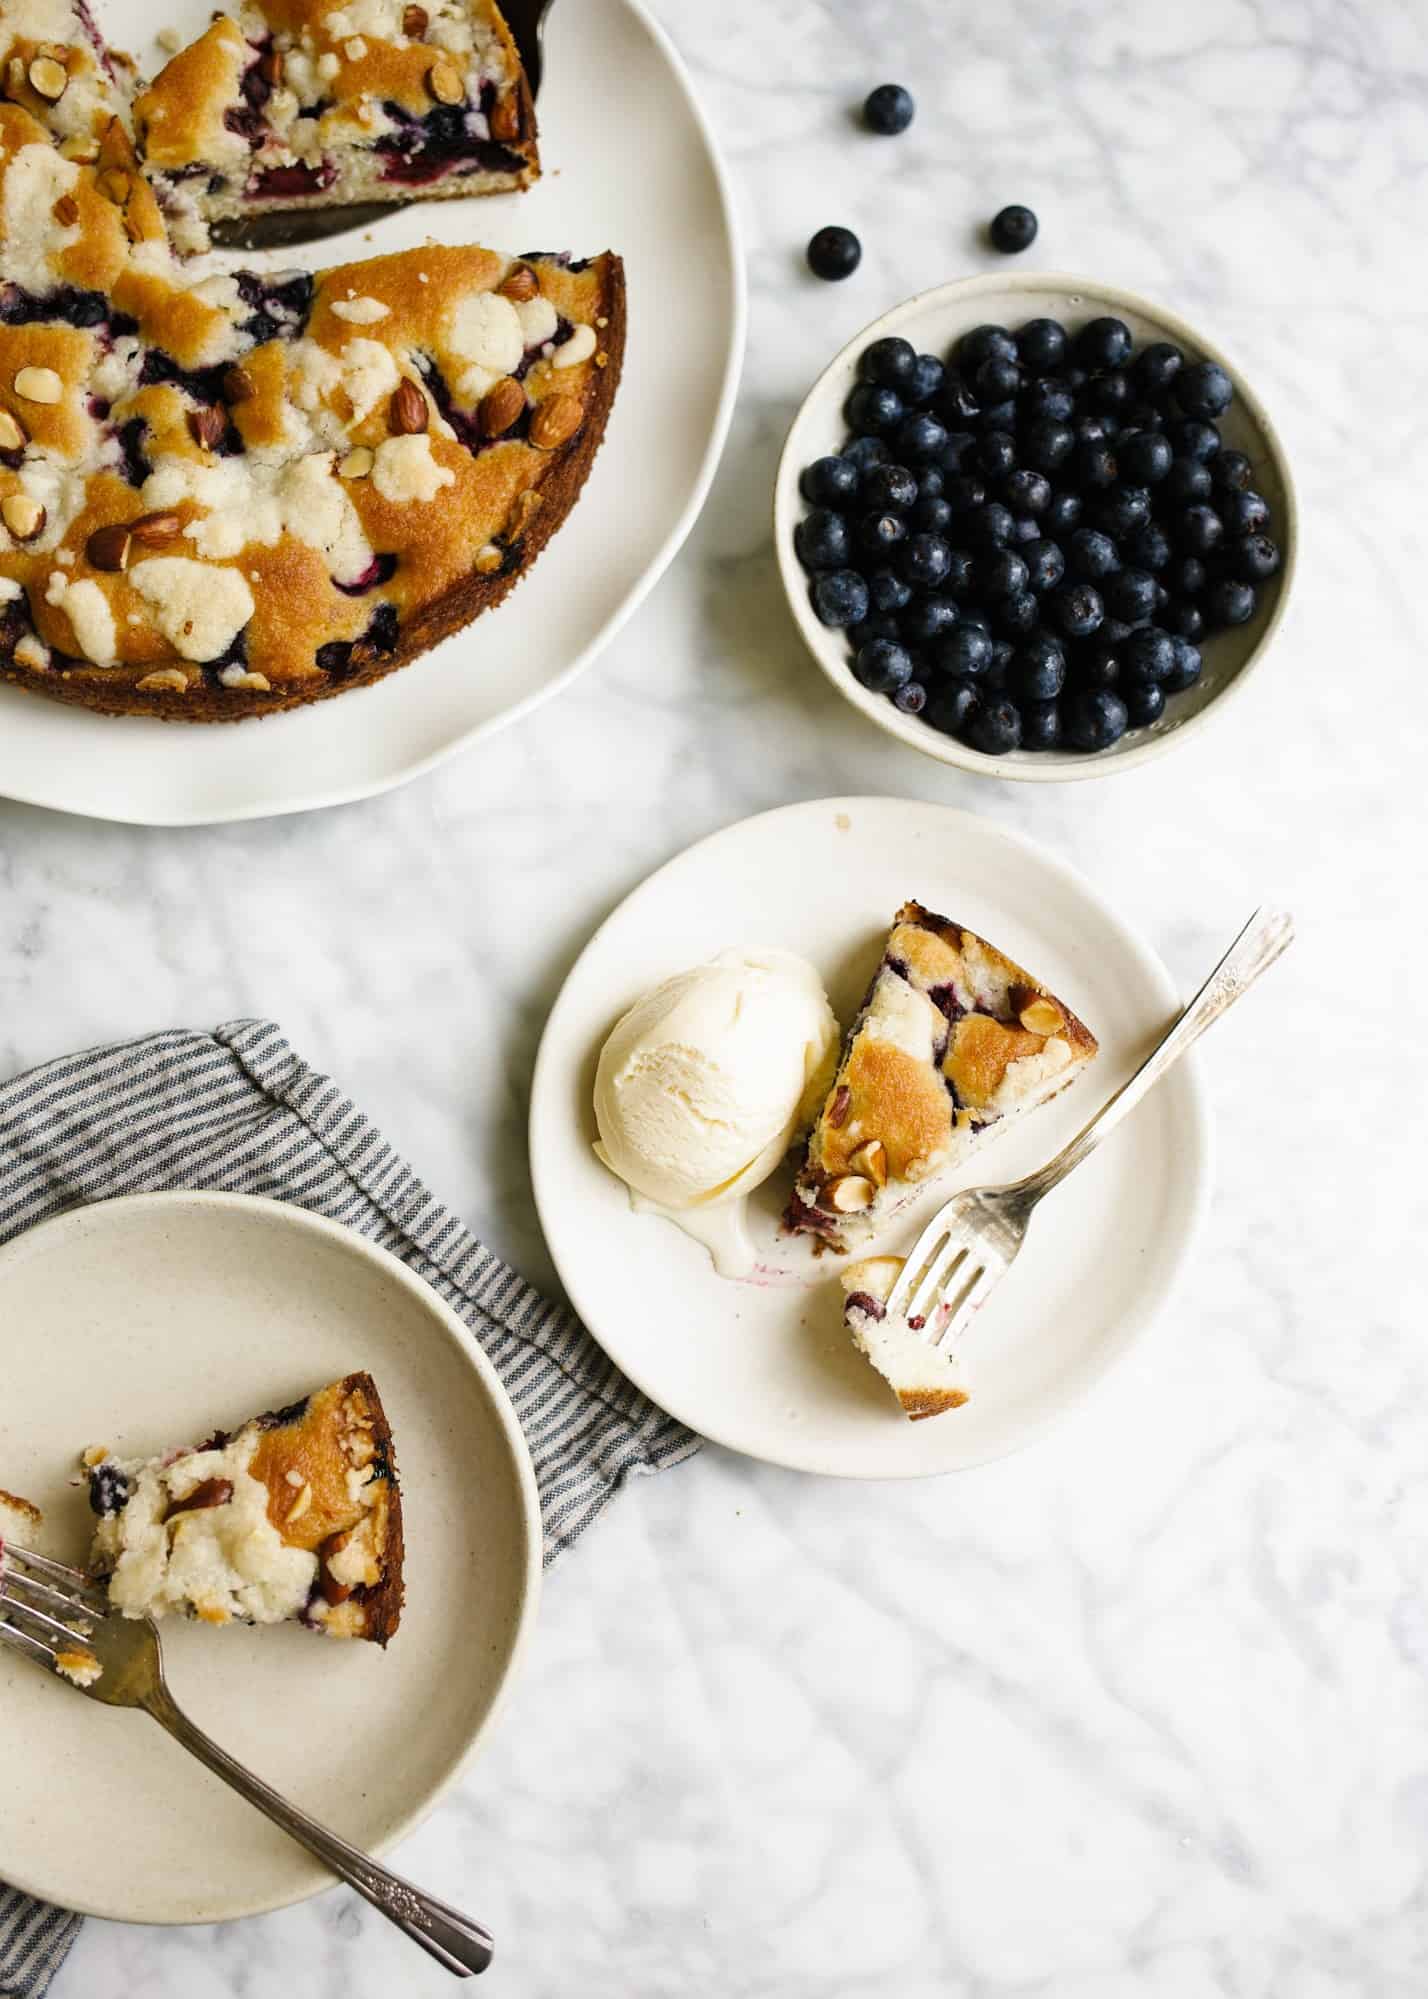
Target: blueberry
{"points": [[1045, 564], [1194, 440], [956, 402], [882, 665], [1162, 595], [1025, 527], [889, 489], [1026, 492], [1232, 472], [1204, 391], [950, 705], [995, 677], [996, 380], [1109, 394], [1143, 416], [1186, 483], [963, 492], [887, 590], [926, 380], [930, 481], [1147, 548], [1130, 595], [994, 727], [1123, 510], [996, 453], [1144, 455], [1103, 343], [1048, 443], [1094, 718], [1253, 558], [881, 625], [1155, 368], [989, 526], [925, 561], [1147, 655], [1063, 514], [1091, 554], [931, 516], [1198, 530], [961, 574], [1038, 670], [889, 362], [1040, 725], [1093, 427], [864, 452], [1018, 614], [1012, 229], [834, 252], [840, 597], [1077, 609], [821, 540], [1098, 664], [966, 650], [1244, 513], [1095, 464], [927, 619], [873, 407], [1003, 574], [1113, 632], [888, 110], [829, 482], [879, 534], [981, 344], [1183, 618], [1229, 602], [1185, 576], [1186, 670], [1145, 703], [998, 416], [956, 453], [1041, 345], [1048, 396], [911, 698], [920, 438]]}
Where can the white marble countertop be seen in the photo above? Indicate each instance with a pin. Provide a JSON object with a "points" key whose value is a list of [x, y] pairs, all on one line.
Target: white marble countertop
{"points": [[1144, 1709]]}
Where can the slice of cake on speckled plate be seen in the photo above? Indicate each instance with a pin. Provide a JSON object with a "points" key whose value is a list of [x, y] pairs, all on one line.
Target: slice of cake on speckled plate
{"points": [[953, 1039], [296, 1515], [312, 103]]}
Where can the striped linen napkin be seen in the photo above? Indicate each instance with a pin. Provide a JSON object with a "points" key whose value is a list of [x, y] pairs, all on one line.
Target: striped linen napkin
{"points": [[236, 1111]]}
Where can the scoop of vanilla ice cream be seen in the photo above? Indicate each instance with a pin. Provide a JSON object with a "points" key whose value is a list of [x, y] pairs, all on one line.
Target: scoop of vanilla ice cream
{"points": [[706, 1081]]}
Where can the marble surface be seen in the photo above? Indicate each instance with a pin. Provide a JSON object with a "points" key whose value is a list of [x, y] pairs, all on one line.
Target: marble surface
{"points": [[1145, 1709]]}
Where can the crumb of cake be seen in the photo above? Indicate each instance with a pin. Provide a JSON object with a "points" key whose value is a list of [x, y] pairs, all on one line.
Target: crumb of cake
{"points": [[79, 1665]]}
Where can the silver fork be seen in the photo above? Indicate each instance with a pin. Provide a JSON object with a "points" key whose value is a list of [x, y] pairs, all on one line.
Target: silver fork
{"points": [[971, 1243], [51, 1613]]}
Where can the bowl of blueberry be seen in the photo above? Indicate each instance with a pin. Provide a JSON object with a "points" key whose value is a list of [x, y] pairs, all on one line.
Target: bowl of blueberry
{"points": [[1035, 527]]}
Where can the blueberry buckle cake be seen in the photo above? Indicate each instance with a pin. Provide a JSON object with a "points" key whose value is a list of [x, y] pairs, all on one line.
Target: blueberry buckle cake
{"points": [[952, 1039], [313, 103], [227, 495], [925, 1379], [296, 1515]]}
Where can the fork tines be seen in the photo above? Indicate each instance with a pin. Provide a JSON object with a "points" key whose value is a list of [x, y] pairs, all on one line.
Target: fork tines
{"points": [[43, 1594]]}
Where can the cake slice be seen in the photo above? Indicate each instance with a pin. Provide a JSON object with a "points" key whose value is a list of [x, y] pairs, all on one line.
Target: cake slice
{"points": [[952, 1040], [925, 1379], [312, 103], [55, 65], [296, 1515]]}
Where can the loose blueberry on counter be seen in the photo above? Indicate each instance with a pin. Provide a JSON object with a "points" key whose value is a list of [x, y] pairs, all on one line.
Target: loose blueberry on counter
{"points": [[889, 489], [1094, 718], [821, 540], [1012, 229], [888, 362], [1144, 704], [1040, 725], [1041, 345], [840, 597], [1229, 602], [873, 407], [994, 727], [888, 110], [834, 252], [1203, 391], [951, 705], [1253, 557], [829, 482], [883, 665]]}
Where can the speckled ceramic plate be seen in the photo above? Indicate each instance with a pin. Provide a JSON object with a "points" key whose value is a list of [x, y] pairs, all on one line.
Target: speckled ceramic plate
{"points": [[629, 165], [765, 1366], [144, 1322]]}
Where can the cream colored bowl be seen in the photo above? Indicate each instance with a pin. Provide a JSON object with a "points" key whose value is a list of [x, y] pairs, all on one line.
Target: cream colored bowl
{"points": [[933, 321]]}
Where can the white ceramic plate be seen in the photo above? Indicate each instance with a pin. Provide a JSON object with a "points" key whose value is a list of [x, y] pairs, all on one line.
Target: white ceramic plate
{"points": [[933, 321], [629, 165], [141, 1323], [766, 1368]]}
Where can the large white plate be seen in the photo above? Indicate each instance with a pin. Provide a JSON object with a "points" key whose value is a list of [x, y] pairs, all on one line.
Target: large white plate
{"points": [[766, 1368], [140, 1323], [629, 165]]}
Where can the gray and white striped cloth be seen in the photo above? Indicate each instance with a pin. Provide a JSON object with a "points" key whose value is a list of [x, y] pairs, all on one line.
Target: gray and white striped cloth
{"points": [[237, 1111]]}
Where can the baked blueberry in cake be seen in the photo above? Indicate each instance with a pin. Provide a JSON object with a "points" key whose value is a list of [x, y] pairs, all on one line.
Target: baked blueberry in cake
{"points": [[311, 103], [296, 1515], [952, 1039], [226, 495], [925, 1378]]}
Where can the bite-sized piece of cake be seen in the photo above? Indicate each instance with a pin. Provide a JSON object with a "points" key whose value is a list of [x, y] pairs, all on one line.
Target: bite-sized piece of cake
{"points": [[225, 495], [295, 1515], [20, 1522], [307, 103], [952, 1039], [925, 1379], [54, 64]]}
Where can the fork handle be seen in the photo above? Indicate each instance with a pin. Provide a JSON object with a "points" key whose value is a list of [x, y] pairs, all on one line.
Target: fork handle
{"points": [[454, 1940], [1264, 938]]}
